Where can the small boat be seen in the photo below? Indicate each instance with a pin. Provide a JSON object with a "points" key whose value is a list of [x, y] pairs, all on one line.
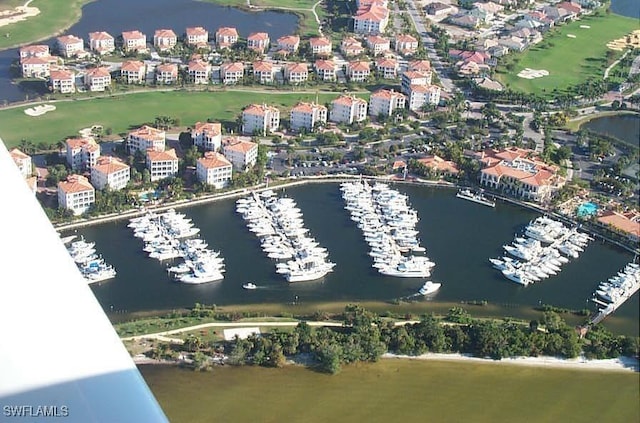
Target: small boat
{"points": [[429, 288], [476, 197], [249, 285]]}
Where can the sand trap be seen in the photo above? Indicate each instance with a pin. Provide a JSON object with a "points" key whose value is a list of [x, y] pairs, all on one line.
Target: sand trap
{"points": [[39, 110], [88, 132], [18, 14], [571, 36], [585, 26], [532, 73], [630, 41]]}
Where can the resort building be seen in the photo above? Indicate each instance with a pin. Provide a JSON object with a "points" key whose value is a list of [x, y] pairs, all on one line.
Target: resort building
{"points": [[146, 138], [358, 71], [162, 164], [289, 43], [516, 171], [325, 69], [134, 41], [164, 39], [197, 37], [296, 73], [232, 73], [199, 72], [207, 135], [406, 44], [387, 68], [258, 41], [35, 67], [214, 169], [260, 119], [38, 50], [628, 223], [101, 42], [70, 45], [23, 161], [166, 73], [351, 47], [82, 153], [62, 81], [97, 79], [242, 154], [372, 18], [423, 95], [439, 166], [263, 72], [384, 102], [307, 116], [76, 194], [348, 109], [109, 172], [226, 37], [320, 46], [377, 44], [133, 72]]}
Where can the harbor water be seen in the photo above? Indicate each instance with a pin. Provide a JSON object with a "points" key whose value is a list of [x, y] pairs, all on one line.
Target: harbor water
{"points": [[460, 237]]}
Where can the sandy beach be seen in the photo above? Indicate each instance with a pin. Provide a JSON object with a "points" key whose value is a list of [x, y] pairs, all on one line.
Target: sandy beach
{"points": [[621, 364]]}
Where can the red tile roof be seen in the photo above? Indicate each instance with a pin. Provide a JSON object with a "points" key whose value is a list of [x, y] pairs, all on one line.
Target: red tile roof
{"points": [[211, 129], [109, 165], [74, 184], [212, 160], [238, 145], [162, 156], [132, 66]]}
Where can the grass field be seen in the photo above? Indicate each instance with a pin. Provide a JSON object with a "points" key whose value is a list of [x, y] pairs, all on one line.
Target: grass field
{"points": [[121, 113], [568, 60], [55, 16], [396, 391]]}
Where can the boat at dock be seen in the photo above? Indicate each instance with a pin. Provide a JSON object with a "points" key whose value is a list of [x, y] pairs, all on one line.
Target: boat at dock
{"points": [[610, 295], [476, 197]]}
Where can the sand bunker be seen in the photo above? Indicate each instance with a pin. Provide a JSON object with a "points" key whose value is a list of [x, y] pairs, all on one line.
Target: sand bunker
{"points": [[88, 132], [629, 41], [39, 110], [571, 36], [18, 14], [527, 73]]}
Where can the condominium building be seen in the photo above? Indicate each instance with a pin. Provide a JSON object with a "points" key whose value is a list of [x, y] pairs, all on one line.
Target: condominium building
{"points": [[258, 41], [37, 50], [406, 44], [133, 72], [421, 95], [384, 102], [307, 116], [197, 37], [70, 45], [232, 73], [242, 154], [263, 72], [207, 135], [372, 18], [97, 79], [214, 169], [260, 118], [62, 81], [134, 41], [387, 68], [289, 43], [166, 73], [412, 77], [162, 164], [82, 153], [109, 172], [320, 46], [296, 73], [164, 39], [348, 109], [76, 194], [358, 71], [146, 138], [325, 69], [351, 47], [35, 67], [199, 72], [377, 44], [101, 42], [23, 161], [226, 37]]}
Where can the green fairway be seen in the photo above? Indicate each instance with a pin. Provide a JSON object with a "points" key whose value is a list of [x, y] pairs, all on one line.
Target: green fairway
{"points": [[55, 16], [569, 60], [121, 113], [396, 391]]}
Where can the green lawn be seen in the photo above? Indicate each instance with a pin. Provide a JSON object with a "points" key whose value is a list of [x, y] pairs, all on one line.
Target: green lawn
{"points": [[569, 60], [396, 391], [55, 16], [121, 113]]}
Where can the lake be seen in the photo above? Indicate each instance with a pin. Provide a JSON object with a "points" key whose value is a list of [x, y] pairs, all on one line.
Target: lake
{"points": [[460, 237], [623, 127], [149, 15], [629, 8]]}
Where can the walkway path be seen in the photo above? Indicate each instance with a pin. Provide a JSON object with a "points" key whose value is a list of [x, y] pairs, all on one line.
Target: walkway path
{"points": [[606, 71]]}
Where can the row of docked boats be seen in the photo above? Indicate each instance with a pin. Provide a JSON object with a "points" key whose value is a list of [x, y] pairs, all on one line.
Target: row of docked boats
{"points": [[169, 236], [612, 293], [91, 265], [541, 251], [278, 223], [388, 224]]}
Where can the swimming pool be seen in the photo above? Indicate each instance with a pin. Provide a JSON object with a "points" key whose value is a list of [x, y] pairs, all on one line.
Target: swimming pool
{"points": [[587, 209]]}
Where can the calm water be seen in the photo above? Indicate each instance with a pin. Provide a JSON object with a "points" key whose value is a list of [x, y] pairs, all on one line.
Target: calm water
{"points": [[459, 236], [149, 15], [630, 8], [624, 127]]}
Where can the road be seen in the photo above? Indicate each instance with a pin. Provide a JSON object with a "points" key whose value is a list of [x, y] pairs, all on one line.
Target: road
{"points": [[428, 43]]}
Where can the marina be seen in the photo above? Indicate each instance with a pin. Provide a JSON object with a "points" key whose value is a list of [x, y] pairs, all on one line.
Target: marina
{"points": [[91, 265], [611, 294], [459, 236]]}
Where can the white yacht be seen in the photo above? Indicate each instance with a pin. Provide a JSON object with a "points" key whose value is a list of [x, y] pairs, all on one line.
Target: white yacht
{"points": [[429, 288]]}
